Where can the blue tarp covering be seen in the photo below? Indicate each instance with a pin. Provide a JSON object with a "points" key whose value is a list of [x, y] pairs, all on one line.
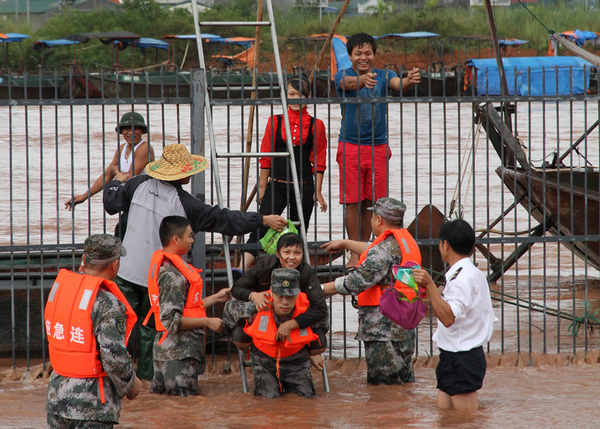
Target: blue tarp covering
{"points": [[571, 73], [512, 42], [342, 58], [148, 42], [580, 36], [14, 37], [244, 43], [214, 38], [411, 35], [193, 36], [56, 42]]}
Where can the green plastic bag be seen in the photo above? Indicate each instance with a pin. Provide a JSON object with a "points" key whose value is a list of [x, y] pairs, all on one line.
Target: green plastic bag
{"points": [[270, 239]]}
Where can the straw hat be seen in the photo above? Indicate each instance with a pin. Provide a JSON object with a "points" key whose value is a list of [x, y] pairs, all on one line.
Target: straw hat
{"points": [[176, 163]]}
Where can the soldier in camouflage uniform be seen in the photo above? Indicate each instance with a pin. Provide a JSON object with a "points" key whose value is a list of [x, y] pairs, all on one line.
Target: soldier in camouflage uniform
{"points": [[74, 402], [252, 289], [179, 359], [274, 376], [388, 347]]}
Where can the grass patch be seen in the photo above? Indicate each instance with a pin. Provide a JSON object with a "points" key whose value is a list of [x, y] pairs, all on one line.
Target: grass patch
{"points": [[146, 18]]}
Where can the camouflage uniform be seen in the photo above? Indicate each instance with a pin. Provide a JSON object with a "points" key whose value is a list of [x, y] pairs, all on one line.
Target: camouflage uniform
{"points": [[294, 374], [258, 279], [179, 359], [76, 400], [294, 371], [388, 347]]}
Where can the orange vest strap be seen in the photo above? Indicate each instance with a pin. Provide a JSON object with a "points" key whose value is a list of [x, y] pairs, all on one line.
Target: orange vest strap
{"points": [[101, 389]]}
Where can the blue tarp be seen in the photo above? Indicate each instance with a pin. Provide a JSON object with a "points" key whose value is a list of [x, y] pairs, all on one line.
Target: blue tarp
{"points": [[411, 35], [56, 42], [548, 75], [214, 38], [580, 36], [229, 40], [148, 42], [193, 36], [512, 42], [14, 37], [342, 59]]}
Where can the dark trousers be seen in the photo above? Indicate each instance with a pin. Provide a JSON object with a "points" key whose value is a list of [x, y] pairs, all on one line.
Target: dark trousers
{"points": [[141, 341], [276, 198]]}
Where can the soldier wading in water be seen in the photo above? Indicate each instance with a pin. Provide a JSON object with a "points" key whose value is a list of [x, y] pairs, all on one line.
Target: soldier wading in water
{"points": [[388, 347]]}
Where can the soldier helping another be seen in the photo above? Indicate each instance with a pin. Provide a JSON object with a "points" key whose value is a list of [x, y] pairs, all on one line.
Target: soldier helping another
{"points": [[175, 292], [388, 347]]}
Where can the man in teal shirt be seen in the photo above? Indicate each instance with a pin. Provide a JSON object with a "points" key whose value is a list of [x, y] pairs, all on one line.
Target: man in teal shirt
{"points": [[363, 149]]}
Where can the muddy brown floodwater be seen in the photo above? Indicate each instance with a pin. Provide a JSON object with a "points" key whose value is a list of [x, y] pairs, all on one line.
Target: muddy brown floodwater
{"points": [[558, 391]]}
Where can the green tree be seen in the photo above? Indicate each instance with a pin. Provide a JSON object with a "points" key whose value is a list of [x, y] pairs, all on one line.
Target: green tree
{"points": [[381, 10]]}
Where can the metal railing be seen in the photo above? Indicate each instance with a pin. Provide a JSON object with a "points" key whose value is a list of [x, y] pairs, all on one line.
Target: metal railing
{"points": [[545, 294]]}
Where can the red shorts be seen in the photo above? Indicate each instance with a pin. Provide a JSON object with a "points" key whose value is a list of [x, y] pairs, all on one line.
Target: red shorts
{"points": [[365, 178]]}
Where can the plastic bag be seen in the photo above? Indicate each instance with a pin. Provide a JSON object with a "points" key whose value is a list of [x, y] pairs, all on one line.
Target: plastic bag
{"points": [[270, 239], [403, 305]]}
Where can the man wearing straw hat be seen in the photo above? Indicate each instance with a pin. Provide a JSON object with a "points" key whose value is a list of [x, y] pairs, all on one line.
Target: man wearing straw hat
{"points": [[145, 200]]}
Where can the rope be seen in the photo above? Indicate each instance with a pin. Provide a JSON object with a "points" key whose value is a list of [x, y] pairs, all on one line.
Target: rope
{"points": [[467, 158], [536, 18], [577, 50]]}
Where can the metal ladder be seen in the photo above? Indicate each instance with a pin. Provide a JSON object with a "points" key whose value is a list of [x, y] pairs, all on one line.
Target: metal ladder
{"points": [[211, 136], [213, 150]]}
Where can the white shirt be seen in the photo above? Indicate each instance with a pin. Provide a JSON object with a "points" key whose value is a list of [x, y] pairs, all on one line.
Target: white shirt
{"points": [[468, 294], [151, 202], [125, 159]]}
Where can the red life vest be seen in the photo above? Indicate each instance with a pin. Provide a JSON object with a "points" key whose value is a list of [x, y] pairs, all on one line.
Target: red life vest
{"points": [[194, 307], [263, 331], [68, 321], [410, 253]]}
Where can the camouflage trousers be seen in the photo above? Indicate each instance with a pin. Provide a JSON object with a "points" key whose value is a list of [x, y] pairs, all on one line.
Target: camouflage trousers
{"points": [[177, 377], [58, 422], [294, 376], [390, 362]]}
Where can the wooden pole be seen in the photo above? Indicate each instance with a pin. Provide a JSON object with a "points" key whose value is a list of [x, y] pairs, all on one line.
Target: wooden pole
{"points": [[243, 203], [331, 33], [496, 47]]}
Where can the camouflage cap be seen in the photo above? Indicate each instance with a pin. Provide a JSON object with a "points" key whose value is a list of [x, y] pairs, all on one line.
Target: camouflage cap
{"points": [[285, 282], [131, 119], [390, 209], [102, 248]]}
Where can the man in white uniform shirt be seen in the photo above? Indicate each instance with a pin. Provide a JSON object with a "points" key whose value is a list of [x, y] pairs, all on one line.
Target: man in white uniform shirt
{"points": [[465, 319]]}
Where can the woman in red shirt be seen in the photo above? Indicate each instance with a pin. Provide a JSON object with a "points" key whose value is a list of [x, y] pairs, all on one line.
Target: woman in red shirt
{"points": [[275, 186]]}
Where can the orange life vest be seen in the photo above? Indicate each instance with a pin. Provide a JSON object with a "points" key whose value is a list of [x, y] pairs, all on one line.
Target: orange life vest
{"points": [[68, 322], [263, 331], [410, 253], [194, 307]]}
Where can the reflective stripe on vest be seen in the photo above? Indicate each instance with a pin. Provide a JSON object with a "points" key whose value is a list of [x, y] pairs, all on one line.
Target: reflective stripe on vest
{"points": [[68, 322], [410, 253], [263, 331], [194, 307]]}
